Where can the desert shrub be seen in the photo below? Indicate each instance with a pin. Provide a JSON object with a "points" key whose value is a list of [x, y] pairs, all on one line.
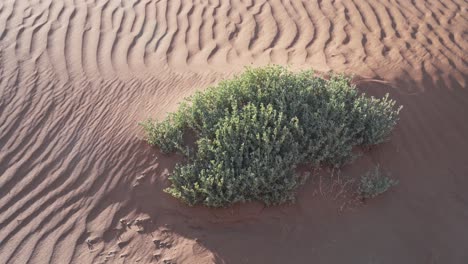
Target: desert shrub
{"points": [[374, 183], [164, 134], [253, 130]]}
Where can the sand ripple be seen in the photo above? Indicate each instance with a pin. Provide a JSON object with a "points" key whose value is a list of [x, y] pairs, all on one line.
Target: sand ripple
{"points": [[77, 76]]}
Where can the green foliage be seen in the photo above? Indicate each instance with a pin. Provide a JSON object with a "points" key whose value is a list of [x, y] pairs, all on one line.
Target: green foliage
{"points": [[164, 134], [253, 130], [375, 183]]}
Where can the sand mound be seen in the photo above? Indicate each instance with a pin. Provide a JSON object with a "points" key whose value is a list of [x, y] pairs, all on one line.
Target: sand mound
{"points": [[78, 185]]}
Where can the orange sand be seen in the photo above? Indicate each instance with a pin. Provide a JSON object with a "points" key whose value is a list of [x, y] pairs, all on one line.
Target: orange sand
{"points": [[77, 76]]}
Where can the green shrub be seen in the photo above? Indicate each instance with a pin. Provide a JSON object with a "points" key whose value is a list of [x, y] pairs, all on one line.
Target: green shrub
{"points": [[163, 134], [253, 130], [375, 183]]}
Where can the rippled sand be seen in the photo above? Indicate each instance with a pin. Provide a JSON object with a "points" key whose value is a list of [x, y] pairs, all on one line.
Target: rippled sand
{"points": [[77, 183]]}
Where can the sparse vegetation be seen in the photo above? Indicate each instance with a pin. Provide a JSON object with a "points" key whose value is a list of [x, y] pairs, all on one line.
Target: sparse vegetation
{"points": [[253, 130], [375, 183]]}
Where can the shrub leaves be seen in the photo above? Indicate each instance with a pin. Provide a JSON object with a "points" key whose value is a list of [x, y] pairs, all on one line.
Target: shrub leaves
{"points": [[253, 130]]}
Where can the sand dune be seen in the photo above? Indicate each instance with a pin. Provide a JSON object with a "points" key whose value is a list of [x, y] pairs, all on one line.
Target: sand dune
{"points": [[78, 185]]}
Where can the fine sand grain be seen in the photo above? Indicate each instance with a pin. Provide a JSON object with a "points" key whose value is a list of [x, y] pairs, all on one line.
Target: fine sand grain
{"points": [[77, 183]]}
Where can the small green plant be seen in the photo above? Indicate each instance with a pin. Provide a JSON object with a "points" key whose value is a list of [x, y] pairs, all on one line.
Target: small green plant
{"points": [[253, 130], [374, 183]]}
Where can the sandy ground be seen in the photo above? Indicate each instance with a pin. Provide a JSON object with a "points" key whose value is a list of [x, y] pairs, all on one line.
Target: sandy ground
{"points": [[78, 185]]}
